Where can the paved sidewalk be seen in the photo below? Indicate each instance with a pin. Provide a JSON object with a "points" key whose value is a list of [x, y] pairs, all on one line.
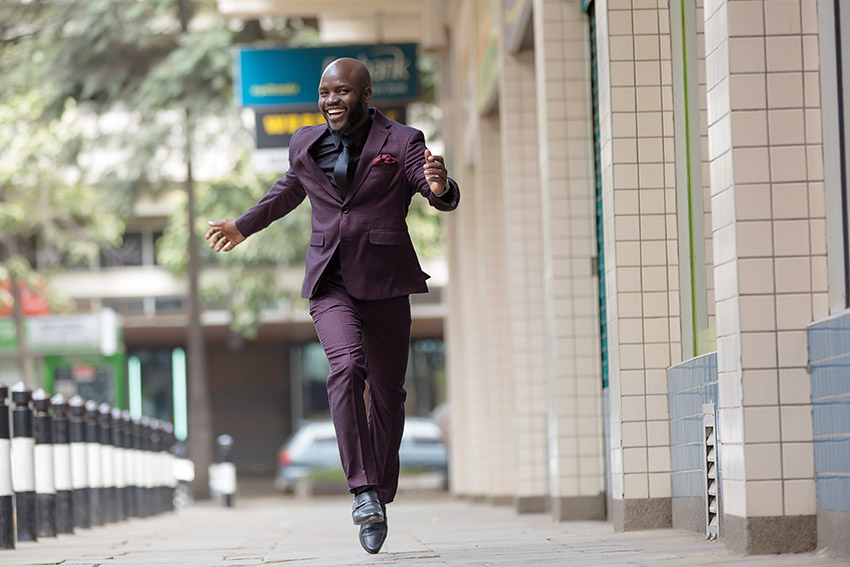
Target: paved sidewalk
{"points": [[424, 530]]}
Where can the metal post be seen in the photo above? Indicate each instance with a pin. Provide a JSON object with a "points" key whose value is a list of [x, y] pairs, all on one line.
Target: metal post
{"points": [[156, 448], [45, 485], [129, 436], [7, 494], [62, 466], [23, 469], [79, 463], [120, 510], [94, 462], [225, 470], [170, 458], [106, 461], [146, 468], [138, 468]]}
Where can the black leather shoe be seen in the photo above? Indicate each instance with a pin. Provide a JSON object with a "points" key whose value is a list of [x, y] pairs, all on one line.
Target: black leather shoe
{"points": [[373, 536], [366, 508]]}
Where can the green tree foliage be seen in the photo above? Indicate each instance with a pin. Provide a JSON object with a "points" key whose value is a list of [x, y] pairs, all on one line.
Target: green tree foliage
{"points": [[47, 209], [248, 279]]}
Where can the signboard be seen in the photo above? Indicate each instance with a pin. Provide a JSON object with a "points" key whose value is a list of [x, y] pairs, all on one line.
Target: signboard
{"points": [[488, 55], [270, 161], [275, 128], [51, 334], [290, 77], [517, 23]]}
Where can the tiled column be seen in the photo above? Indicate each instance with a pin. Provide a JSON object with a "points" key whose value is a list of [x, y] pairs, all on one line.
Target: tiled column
{"points": [[468, 407], [470, 450], [492, 325], [524, 274], [575, 431], [454, 431], [770, 263], [641, 261]]}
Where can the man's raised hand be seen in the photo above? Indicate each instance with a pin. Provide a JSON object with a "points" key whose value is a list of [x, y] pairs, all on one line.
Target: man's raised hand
{"points": [[435, 172]]}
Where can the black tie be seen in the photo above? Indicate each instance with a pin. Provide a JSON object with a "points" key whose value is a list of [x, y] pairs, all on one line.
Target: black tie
{"points": [[341, 167]]}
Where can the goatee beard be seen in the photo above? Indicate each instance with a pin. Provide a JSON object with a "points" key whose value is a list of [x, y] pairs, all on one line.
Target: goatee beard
{"points": [[345, 130]]}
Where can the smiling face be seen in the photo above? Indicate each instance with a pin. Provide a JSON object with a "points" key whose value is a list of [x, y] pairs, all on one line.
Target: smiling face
{"points": [[344, 95]]}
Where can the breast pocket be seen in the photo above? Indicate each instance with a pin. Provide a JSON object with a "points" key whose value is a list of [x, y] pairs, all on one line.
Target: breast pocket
{"points": [[317, 239], [388, 237]]}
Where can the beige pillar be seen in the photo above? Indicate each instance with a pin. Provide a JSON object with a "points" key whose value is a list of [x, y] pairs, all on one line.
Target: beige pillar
{"points": [[575, 428], [641, 261], [770, 263], [523, 251], [493, 323]]}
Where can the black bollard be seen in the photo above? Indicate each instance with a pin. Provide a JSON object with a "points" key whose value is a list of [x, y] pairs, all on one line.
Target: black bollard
{"points": [[7, 494], [79, 463], [129, 437], [45, 485], [169, 459], [145, 466], [23, 470], [156, 467], [94, 463], [62, 466], [119, 511], [225, 469], [107, 466]]}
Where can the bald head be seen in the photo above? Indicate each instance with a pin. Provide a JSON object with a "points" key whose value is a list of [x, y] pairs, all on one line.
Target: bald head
{"points": [[344, 95], [352, 69]]}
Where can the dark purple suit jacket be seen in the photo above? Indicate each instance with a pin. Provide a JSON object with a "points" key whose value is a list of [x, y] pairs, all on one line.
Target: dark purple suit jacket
{"points": [[376, 255]]}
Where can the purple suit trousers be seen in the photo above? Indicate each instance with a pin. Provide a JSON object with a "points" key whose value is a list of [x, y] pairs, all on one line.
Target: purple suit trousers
{"points": [[366, 343]]}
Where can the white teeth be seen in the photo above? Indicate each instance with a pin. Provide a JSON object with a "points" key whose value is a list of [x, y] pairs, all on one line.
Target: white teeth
{"points": [[335, 111]]}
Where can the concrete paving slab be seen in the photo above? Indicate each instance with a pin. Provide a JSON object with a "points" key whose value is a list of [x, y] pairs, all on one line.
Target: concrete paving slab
{"points": [[424, 531]]}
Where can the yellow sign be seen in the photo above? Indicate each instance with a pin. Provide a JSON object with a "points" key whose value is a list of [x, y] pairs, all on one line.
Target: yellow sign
{"points": [[283, 124]]}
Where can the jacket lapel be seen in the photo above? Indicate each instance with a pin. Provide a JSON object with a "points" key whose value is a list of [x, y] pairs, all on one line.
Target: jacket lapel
{"points": [[310, 164], [374, 143]]}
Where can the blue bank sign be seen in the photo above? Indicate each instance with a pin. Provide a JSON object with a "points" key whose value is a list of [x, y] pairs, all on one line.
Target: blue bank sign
{"points": [[290, 77]]}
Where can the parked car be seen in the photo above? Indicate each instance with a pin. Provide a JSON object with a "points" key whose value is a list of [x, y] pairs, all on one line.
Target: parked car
{"points": [[312, 452]]}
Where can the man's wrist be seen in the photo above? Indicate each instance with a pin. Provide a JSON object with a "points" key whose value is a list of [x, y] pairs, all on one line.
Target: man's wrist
{"points": [[446, 188]]}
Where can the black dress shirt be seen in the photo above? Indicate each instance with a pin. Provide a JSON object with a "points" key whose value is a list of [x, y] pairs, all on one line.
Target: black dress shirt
{"points": [[327, 148], [325, 152]]}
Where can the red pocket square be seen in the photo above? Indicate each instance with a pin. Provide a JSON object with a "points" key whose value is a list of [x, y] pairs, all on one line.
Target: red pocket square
{"points": [[382, 159]]}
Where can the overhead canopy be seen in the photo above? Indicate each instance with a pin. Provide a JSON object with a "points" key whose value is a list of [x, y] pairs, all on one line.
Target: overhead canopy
{"points": [[367, 21]]}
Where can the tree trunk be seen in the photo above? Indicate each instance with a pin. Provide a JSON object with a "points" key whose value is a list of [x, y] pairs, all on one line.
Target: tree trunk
{"points": [[200, 414], [25, 361]]}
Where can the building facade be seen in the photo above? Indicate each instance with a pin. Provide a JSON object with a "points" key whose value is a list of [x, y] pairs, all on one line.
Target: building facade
{"points": [[648, 298]]}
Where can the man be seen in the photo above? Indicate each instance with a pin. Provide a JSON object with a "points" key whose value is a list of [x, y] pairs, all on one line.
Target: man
{"points": [[360, 173]]}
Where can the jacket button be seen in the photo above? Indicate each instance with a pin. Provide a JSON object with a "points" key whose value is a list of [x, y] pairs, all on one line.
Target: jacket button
{"points": [[345, 210]]}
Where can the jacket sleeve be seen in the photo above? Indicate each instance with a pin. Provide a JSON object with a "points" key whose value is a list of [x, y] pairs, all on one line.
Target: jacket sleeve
{"points": [[286, 194], [414, 160]]}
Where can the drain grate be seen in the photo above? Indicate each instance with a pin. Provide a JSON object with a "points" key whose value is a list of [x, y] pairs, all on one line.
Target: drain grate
{"points": [[712, 483]]}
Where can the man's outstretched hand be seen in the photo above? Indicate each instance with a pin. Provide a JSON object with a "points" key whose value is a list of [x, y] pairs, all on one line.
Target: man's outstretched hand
{"points": [[223, 235]]}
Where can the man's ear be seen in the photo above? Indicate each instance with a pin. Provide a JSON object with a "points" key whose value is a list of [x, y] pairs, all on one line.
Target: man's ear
{"points": [[367, 95]]}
